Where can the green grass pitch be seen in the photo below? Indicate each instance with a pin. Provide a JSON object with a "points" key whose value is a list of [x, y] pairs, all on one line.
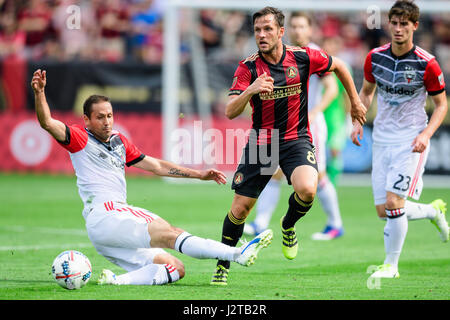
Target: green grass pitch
{"points": [[40, 216]]}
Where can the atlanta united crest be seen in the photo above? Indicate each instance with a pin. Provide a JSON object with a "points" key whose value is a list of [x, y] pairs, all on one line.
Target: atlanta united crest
{"points": [[238, 178], [291, 72]]}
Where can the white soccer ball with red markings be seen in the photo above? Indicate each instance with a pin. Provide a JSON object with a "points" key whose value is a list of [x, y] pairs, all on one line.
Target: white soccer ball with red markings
{"points": [[71, 269]]}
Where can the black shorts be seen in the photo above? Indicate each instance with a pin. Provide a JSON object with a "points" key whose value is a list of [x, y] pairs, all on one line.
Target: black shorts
{"points": [[257, 165]]}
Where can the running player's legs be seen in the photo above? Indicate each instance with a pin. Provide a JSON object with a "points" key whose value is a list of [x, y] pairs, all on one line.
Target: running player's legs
{"points": [[249, 180], [299, 165], [319, 135], [266, 205], [326, 191], [397, 175]]}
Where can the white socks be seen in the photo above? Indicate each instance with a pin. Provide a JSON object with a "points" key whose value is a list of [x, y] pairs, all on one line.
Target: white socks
{"points": [[326, 192], [394, 235], [267, 203], [151, 274], [397, 227], [201, 248], [416, 211]]}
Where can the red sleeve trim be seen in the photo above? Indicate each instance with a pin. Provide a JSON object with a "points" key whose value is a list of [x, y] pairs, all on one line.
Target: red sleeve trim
{"points": [[433, 78], [76, 139], [368, 68], [133, 154]]}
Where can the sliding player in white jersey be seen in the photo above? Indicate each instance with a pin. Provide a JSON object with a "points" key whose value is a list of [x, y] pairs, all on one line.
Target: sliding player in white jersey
{"points": [[403, 74], [128, 236], [321, 92]]}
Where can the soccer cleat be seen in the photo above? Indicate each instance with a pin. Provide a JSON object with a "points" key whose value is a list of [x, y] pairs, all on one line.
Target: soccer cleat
{"points": [[249, 250], [289, 246], [220, 277], [386, 271], [439, 221], [107, 277], [329, 233]]}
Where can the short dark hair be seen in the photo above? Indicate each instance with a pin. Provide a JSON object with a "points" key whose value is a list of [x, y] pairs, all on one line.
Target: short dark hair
{"points": [[296, 14], [279, 16], [405, 9], [93, 99]]}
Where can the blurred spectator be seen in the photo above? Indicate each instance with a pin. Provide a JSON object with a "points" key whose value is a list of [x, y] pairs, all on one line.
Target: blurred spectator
{"points": [[112, 18], [75, 43], [12, 40], [114, 30], [35, 20], [211, 30], [145, 33]]}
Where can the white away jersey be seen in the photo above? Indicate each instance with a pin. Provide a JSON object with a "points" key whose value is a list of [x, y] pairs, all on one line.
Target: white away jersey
{"points": [[403, 83], [100, 167]]}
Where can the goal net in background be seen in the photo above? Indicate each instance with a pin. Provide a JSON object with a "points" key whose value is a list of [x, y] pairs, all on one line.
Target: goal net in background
{"points": [[205, 40]]}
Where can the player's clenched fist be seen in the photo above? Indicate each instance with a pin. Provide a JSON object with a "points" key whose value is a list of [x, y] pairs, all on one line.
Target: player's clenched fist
{"points": [[39, 80], [263, 83]]}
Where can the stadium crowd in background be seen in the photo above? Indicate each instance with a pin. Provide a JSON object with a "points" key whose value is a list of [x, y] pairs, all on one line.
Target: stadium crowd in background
{"points": [[122, 30]]}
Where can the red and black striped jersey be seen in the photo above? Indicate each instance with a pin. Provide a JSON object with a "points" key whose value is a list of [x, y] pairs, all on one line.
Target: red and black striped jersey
{"points": [[286, 108]]}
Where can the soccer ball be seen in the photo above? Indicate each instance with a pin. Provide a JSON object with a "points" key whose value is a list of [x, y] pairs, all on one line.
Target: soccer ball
{"points": [[71, 269]]}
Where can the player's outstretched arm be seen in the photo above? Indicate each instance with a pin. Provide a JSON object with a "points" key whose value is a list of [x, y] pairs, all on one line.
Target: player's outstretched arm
{"points": [[420, 143], [358, 110], [168, 169], [55, 127], [366, 96]]}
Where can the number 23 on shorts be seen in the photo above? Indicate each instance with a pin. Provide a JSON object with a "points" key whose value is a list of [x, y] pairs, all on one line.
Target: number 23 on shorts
{"points": [[402, 183]]}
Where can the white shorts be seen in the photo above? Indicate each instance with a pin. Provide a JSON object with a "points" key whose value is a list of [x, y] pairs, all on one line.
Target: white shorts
{"points": [[319, 134], [398, 170], [119, 232]]}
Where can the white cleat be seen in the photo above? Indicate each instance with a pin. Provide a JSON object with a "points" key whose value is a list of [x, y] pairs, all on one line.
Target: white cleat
{"points": [[386, 271], [439, 221], [249, 250], [107, 277]]}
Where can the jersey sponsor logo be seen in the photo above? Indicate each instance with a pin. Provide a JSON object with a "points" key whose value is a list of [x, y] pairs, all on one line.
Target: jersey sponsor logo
{"points": [[392, 90], [291, 72], [281, 92], [410, 74]]}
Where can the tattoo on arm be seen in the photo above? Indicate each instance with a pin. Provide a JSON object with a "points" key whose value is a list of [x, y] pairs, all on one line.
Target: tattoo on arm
{"points": [[177, 172]]}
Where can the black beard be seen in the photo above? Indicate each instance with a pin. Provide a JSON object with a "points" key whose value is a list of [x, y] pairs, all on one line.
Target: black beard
{"points": [[268, 51]]}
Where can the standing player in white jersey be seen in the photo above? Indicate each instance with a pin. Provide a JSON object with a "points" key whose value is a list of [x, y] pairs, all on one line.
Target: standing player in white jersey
{"points": [[403, 74], [322, 91], [128, 236]]}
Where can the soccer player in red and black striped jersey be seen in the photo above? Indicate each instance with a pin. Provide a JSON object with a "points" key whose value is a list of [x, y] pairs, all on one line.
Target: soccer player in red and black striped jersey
{"points": [[275, 83]]}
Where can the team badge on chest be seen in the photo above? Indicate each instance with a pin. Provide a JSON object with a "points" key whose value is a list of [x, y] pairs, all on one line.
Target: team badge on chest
{"points": [[291, 72], [409, 74]]}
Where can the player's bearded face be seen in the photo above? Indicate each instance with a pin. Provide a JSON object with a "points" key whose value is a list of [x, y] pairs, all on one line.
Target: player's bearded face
{"points": [[402, 30], [267, 33], [101, 120]]}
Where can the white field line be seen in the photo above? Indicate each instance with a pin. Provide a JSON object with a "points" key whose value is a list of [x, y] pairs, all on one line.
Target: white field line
{"points": [[44, 230], [62, 231], [70, 246]]}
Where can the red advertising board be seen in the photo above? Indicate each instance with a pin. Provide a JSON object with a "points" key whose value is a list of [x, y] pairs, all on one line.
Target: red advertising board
{"points": [[26, 147]]}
